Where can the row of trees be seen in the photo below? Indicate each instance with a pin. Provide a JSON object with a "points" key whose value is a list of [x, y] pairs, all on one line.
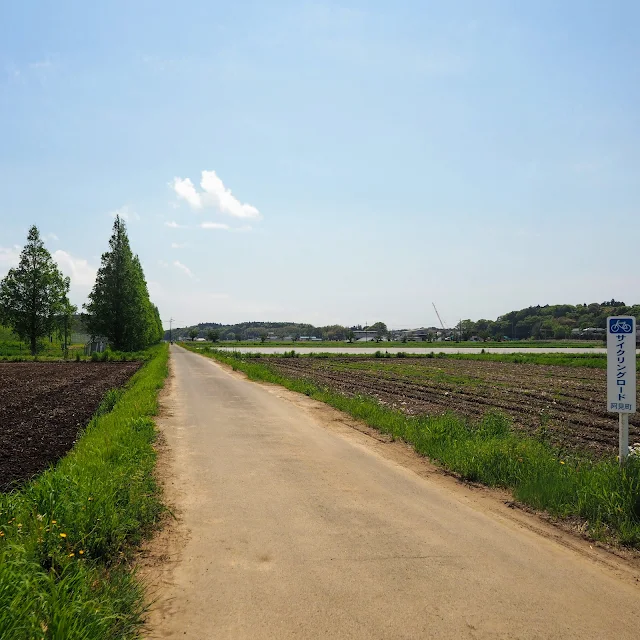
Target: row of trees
{"points": [[261, 331], [34, 300], [547, 322], [119, 308]]}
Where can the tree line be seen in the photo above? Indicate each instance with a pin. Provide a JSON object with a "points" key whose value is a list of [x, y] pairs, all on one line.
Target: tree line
{"points": [[215, 332], [548, 322], [34, 297]]}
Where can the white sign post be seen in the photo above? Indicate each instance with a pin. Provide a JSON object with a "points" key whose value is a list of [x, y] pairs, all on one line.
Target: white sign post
{"points": [[621, 375]]}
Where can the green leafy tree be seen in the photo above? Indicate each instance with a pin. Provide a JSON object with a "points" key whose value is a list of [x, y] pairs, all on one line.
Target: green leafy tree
{"points": [[381, 330], [263, 336], [193, 334], [33, 294], [213, 335], [119, 308]]}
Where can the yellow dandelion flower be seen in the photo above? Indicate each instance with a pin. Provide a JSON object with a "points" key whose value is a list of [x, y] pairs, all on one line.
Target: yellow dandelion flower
{"points": [[81, 552], [1, 534], [561, 461], [71, 555], [63, 535], [54, 521]]}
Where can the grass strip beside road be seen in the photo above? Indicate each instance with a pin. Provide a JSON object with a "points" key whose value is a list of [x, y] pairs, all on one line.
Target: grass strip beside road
{"points": [[604, 497], [66, 537]]}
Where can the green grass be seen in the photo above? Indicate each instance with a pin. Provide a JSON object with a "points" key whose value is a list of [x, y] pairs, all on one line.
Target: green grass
{"points": [[66, 537], [530, 344], [13, 349], [592, 360], [600, 493]]}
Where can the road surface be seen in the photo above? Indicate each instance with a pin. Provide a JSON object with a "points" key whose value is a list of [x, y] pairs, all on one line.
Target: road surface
{"points": [[292, 524]]}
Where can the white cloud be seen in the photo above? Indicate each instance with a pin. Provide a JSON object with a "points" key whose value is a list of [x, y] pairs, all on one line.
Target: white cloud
{"points": [[184, 189], [173, 225], [182, 267], [179, 245], [52, 236], [225, 227], [9, 256], [214, 225], [126, 213], [79, 270], [214, 194]]}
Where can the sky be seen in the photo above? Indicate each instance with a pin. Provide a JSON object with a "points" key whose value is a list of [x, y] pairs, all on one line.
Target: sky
{"points": [[328, 162]]}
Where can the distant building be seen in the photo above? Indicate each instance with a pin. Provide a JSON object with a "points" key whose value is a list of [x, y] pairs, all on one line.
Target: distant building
{"points": [[364, 336], [590, 333]]}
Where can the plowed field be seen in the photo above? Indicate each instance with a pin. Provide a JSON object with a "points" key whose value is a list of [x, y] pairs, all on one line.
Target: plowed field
{"points": [[565, 405], [43, 406]]}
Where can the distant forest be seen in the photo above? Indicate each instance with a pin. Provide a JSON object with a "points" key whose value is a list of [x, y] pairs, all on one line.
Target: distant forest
{"points": [[549, 322]]}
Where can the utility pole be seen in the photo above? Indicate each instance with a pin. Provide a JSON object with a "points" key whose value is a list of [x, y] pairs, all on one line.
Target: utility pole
{"points": [[171, 321], [444, 330]]}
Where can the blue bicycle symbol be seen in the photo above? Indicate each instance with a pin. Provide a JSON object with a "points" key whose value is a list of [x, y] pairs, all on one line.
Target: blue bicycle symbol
{"points": [[620, 326]]}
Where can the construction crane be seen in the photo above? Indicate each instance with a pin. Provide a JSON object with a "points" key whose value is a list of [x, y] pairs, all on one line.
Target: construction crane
{"points": [[439, 318]]}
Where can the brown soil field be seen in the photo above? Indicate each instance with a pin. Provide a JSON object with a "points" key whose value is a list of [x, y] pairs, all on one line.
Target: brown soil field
{"points": [[563, 405], [43, 406]]}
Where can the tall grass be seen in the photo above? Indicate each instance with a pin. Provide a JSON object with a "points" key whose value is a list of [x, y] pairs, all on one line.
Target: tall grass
{"points": [[66, 537], [605, 496]]}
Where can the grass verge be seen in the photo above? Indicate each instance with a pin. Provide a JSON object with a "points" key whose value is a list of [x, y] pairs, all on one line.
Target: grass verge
{"points": [[604, 496], [590, 360], [66, 537]]}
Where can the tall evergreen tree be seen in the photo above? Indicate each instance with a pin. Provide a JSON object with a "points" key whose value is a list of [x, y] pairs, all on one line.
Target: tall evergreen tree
{"points": [[33, 294], [119, 308]]}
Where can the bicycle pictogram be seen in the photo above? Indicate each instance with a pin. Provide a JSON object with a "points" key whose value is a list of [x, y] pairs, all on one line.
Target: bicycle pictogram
{"points": [[620, 326]]}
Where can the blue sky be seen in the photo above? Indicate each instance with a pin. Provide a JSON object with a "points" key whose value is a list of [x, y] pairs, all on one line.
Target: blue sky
{"points": [[350, 162]]}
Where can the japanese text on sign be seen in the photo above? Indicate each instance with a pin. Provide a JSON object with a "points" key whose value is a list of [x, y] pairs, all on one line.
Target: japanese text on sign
{"points": [[621, 364]]}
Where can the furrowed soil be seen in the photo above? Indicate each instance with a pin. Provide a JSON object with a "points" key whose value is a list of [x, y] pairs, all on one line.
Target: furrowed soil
{"points": [[43, 407], [562, 405]]}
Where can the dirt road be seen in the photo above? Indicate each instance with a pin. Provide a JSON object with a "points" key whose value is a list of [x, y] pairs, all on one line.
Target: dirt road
{"points": [[294, 525]]}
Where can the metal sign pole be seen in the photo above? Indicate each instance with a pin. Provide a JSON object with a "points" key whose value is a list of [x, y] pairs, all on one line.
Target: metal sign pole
{"points": [[623, 438]]}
